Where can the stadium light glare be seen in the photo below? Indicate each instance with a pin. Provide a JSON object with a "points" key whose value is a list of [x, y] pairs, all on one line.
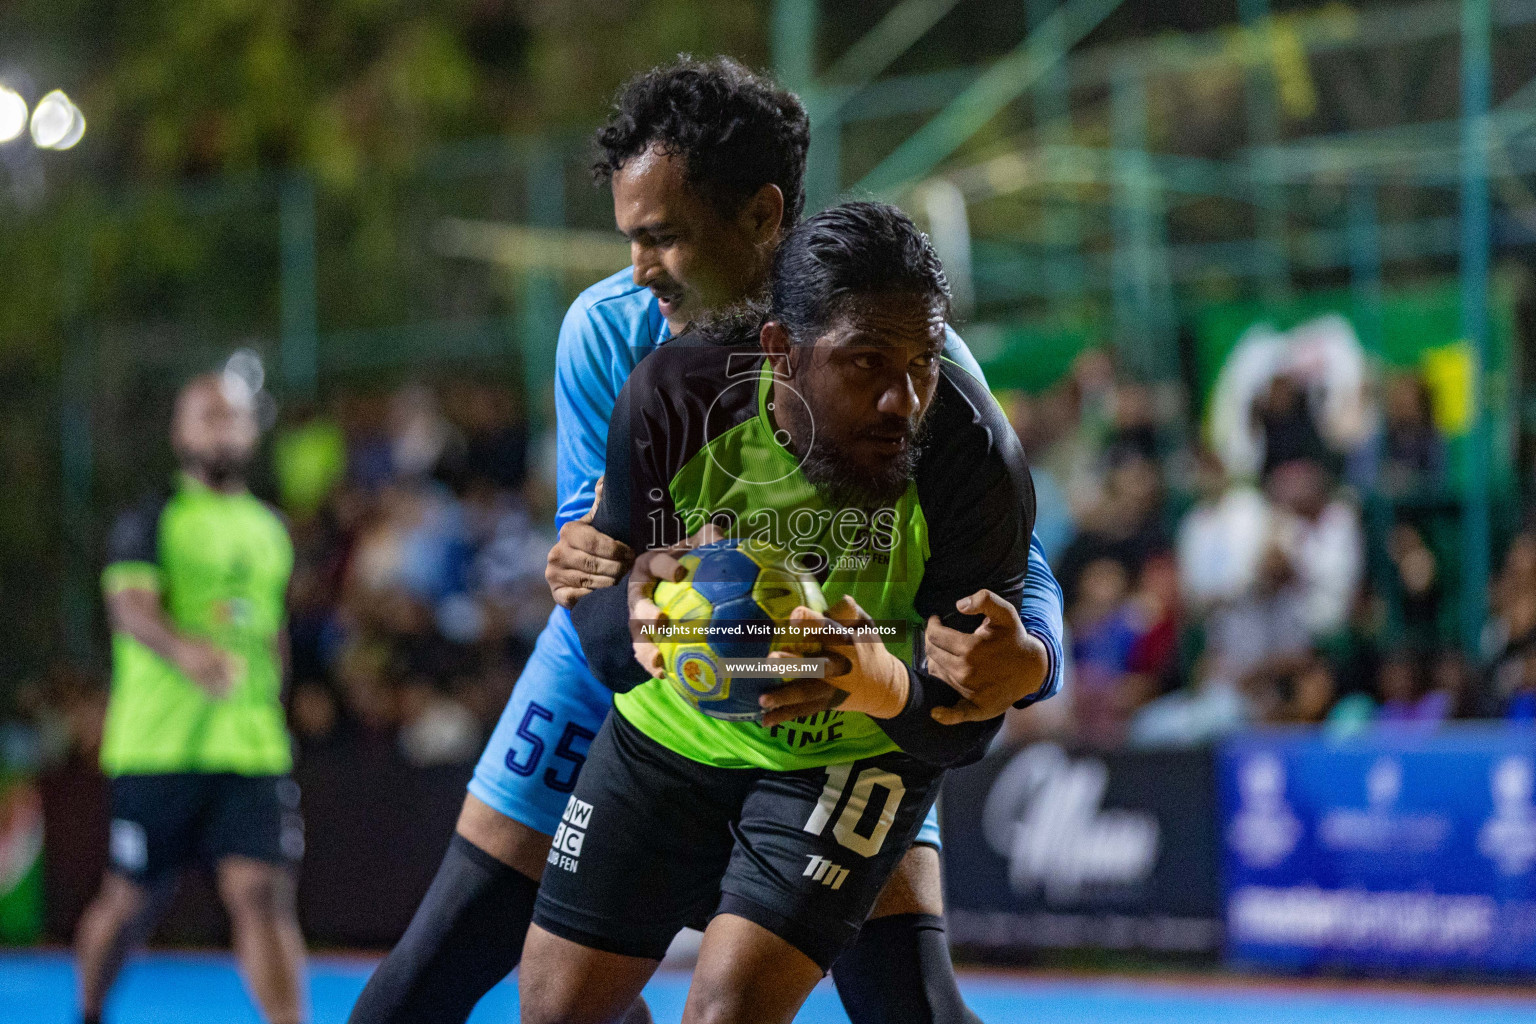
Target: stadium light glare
{"points": [[76, 131], [56, 122], [13, 114], [243, 377]]}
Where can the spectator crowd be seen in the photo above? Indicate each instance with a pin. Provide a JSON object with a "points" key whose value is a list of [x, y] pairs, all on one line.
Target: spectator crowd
{"points": [[420, 537], [1298, 574]]}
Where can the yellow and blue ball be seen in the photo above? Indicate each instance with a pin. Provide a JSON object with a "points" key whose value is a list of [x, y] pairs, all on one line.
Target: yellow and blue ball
{"points": [[734, 602]]}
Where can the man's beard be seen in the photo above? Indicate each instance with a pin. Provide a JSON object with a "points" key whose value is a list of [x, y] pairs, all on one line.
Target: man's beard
{"points": [[843, 481], [218, 469]]}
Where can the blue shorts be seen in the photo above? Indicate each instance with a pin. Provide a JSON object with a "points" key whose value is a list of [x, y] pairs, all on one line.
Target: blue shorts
{"points": [[529, 767]]}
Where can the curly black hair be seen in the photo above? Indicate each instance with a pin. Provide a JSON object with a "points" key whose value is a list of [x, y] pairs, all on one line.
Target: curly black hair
{"points": [[850, 251], [738, 131]]}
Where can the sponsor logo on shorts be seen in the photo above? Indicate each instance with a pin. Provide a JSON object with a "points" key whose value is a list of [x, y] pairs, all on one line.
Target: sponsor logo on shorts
{"points": [[824, 871], [565, 849], [130, 847]]}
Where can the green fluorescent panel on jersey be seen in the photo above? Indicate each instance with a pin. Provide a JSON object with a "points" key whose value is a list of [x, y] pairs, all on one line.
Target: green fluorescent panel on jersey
{"points": [[744, 470]]}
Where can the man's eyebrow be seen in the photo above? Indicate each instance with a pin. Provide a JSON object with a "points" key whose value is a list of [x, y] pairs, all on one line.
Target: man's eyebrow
{"points": [[659, 227], [877, 339], [861, 339]]}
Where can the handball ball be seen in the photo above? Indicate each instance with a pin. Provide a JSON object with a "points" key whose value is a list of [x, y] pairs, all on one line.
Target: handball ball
{"points": [[733, 603]]}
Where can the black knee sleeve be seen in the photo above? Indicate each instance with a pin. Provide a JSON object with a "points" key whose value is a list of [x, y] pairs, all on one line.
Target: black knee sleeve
{"points": [[465, 937], [899, 972]]}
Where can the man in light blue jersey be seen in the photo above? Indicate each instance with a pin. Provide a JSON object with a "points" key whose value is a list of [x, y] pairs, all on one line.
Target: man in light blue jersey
{"points": [[706, 163]]}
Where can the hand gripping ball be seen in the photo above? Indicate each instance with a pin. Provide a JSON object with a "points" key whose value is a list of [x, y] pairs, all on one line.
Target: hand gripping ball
{"points": [[734, 603]]}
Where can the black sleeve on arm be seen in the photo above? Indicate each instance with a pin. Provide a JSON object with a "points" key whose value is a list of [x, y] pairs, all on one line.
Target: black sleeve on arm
{"points": [[135, 535], [635, 497], [602, 622], [979, 501]]}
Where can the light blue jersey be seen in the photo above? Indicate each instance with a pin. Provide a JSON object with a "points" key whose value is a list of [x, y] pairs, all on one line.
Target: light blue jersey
{"points": [[530, 764]]}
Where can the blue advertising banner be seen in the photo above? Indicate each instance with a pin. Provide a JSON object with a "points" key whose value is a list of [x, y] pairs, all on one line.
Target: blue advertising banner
{"points": [[1397, 849]]}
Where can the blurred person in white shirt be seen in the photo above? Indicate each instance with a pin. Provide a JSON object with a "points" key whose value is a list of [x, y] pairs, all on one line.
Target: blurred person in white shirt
{"points": [[1275, 574], [1319, 533], [1221, 540]]}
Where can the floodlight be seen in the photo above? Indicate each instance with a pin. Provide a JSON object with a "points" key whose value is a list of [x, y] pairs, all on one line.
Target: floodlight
{"points": [[13, 114], [246, 364], [56, 122], [76, 131]]}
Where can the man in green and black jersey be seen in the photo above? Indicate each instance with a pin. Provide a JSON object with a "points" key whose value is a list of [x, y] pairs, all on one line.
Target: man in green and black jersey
{"points": [[832, 426], [195, 744]]}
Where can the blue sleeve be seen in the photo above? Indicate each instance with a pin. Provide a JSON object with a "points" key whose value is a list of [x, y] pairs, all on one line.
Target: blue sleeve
{"points": [[956, 351], [601, 618], [584, 397], [1041, 611], [1041, 608]]}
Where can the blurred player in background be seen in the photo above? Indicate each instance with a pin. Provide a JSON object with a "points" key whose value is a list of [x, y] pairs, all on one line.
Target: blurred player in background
{"points": [[195, 744], [706, 163]]}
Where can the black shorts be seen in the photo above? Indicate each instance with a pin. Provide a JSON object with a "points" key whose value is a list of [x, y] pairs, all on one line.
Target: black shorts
{"points": [[161, 823], [652, 842]]}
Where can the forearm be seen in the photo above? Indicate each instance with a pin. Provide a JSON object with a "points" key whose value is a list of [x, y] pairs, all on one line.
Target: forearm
{"points": [[140, 615], [916, 733], [602, 624]]}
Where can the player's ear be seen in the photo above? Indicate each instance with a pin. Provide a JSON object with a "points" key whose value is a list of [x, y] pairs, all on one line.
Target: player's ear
{"points": [[763, 214], [775, 342]]}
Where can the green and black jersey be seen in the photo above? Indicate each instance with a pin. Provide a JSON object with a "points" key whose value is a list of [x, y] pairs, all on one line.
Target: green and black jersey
{"points": [[693, 439], [220, 563]]}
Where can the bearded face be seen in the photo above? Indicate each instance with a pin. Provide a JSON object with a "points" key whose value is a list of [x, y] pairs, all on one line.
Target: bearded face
{"points": [[215, 433], [864, 390]]}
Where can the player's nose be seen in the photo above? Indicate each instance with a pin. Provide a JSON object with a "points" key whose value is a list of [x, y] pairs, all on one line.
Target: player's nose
{"points": [[899, 398], [647, 267]]}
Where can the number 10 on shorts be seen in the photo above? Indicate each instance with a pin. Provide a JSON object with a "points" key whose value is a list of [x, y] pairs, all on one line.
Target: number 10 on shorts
{"points": [[892, 789]]}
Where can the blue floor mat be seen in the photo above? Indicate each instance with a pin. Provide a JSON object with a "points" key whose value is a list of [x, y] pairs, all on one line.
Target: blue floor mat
{"points": [[175, 988]]}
